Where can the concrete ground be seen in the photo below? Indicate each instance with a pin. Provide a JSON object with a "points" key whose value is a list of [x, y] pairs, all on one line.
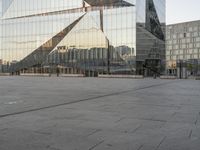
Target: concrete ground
{"points": [[99, 114]]}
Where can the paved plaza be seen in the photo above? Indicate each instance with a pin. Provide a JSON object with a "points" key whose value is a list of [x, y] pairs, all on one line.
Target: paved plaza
{"points": [[52, 113]]}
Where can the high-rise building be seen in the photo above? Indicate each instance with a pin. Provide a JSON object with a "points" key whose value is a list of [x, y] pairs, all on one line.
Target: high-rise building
{"points": [[183, 49], [82, 36]]}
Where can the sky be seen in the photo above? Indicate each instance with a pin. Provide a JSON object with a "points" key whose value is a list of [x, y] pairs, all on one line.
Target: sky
{"points": [[182, 11]]}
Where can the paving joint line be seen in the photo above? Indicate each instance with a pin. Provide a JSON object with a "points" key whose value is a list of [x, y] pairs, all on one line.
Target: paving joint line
{"points": [[139, 148], [93, 147], [190, 134], [160, 143], [83, 100], [136, 129], [120, 119], [94, 132], [196, 121]]}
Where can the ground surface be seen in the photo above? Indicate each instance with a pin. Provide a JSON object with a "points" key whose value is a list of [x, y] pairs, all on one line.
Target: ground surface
{"points": [[99, 114]]}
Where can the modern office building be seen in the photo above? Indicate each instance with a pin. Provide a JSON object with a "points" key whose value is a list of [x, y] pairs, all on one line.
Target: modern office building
{"points": [[82, 36], [183, 49]]}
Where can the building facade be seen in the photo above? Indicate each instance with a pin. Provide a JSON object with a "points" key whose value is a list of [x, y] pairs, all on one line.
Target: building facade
{"points": [[88, 37], [150, 36], [183, 49]]}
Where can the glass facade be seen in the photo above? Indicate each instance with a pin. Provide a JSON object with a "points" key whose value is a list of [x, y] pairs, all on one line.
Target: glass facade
{"points": [[74, 36], [150, 36]]}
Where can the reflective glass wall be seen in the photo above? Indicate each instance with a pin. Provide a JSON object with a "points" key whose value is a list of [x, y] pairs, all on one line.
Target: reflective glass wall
{"points": [[150, 41], [1, 36], [68, 36]]}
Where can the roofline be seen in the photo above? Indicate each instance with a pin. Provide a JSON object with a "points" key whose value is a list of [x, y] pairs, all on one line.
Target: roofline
{"points": [[183, 22]]}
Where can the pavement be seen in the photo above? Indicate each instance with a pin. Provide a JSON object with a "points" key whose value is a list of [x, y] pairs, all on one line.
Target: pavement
{"points": [[52, 113]]}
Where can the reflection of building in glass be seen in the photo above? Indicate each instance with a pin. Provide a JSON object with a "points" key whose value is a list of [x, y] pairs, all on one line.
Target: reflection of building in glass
{"points": [[150, 36], [82, 36], [183, 49]]}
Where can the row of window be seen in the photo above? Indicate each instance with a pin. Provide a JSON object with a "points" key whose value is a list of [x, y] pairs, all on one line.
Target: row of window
{"points": [[177, 57], [189, 27], [183, 46], [182, 35], [185, 40], [185, 51]]}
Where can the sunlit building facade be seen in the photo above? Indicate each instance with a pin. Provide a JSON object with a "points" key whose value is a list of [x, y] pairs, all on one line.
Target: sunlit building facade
{"points": [[183, 49], [88, 37]]}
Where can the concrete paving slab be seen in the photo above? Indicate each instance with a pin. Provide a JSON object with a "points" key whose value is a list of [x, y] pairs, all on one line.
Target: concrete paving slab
{"points": [[41, 113]]}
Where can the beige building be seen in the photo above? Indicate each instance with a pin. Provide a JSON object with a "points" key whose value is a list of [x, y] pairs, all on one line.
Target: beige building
{"points": [[183, 48]]}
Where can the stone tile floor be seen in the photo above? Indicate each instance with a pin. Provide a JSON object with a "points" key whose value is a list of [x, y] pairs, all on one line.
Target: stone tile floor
{"points": [[99, 114]]}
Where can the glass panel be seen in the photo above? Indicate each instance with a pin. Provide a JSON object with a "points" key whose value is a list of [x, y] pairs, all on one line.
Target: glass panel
{"points": [[29, 7], [24, 35]]}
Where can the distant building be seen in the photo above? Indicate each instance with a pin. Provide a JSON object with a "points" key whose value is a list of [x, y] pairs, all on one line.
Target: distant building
{"points": [[183, 49]]}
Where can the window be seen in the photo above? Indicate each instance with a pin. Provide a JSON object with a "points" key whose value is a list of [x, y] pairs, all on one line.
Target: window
{"points": [[184, 35], [195, 28], [194, 39], [198, 39], [190, 29], [194, 34]]}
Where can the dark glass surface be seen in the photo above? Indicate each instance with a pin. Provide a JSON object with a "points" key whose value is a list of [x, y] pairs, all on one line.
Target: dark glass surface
{"points": [[150, 35]]}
